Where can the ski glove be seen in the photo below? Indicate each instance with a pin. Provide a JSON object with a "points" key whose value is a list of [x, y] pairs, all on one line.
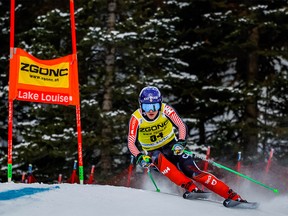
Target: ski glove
{"points": [[143, 160], [178, 148]]}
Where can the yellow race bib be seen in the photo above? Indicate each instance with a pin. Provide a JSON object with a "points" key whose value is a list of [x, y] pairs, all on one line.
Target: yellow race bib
{"points": [[154, 134]]}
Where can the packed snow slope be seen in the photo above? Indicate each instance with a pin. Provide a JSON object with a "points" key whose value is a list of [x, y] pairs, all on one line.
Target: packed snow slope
{"points": [[104, 200]]}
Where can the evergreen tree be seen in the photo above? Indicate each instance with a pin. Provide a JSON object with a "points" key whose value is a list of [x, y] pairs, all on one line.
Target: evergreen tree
{"points": [[221, 64], [4, 67], [235, 59]]}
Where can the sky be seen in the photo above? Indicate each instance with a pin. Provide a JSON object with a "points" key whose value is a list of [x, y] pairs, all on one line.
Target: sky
{"points": [[82, 199]]}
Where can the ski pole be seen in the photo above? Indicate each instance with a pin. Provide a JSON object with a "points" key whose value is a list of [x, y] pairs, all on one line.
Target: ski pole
{"points": [[152, 179], [231, 170]]}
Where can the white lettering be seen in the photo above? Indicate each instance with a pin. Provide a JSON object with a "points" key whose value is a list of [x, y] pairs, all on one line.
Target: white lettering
{"points": [[54, 98], [165, 171], [45, 97], [214, 182], [208, 180], [28, 95]]}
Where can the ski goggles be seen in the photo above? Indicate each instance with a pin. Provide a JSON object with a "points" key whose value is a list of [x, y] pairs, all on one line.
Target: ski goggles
{"points": [[153, 107]]}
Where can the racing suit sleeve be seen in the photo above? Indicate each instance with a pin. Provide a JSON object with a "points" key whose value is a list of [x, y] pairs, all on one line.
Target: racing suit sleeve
{"points": [[176, 121], [132, 136]]}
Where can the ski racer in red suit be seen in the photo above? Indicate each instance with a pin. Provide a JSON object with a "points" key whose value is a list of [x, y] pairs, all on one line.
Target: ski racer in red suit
{"points": [[152, 125]]}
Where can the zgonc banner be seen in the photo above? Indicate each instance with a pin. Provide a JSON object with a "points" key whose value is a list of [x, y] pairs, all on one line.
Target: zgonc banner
{"points": [[46, 81]]}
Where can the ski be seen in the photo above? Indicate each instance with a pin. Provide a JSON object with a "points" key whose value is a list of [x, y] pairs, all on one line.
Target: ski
{"points": [[228, 203], [194, 195]]}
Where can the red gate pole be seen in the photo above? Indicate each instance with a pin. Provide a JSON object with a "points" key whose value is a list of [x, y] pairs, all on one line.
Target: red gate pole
{"points": [[10, 105], [238, 166], [78, 115], [91, 177], [59, 178], [267, 168], [269, 161], [130, 171]]}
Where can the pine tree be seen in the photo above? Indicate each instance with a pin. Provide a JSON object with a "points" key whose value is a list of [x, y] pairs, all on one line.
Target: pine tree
{"points": [[4, 67], [235, 59], [221, 64]]}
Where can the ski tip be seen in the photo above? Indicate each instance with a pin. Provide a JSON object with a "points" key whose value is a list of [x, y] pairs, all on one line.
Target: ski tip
{"points": [[185, 195], [228, 203], [192, 195]]}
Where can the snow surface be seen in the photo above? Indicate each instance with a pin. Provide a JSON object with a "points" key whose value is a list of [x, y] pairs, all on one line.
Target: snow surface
{"points": [[75, 199]]}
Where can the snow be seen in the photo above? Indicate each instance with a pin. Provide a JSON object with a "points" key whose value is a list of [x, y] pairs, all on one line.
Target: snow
{"points": [[76, 199]]}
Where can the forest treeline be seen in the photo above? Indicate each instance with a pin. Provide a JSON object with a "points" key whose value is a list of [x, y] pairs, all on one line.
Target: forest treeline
{"points": [[221, 63]]}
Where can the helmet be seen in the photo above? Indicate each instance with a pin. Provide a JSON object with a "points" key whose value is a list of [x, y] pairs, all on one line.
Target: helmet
{"points": [[150, 98]]}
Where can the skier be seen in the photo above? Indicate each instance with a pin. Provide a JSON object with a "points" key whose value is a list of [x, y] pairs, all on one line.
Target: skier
{"points": [[152, 125]]}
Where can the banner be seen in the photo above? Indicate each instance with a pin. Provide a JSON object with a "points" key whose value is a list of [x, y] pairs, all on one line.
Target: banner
{"points": [[46, 81]]}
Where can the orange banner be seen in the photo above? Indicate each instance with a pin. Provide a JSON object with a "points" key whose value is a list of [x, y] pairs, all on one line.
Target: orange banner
{"points": [[46, 81]]}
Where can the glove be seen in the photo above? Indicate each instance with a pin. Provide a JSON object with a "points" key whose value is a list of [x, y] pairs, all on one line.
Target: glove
{"points": [[144, 160], [178, 148]]}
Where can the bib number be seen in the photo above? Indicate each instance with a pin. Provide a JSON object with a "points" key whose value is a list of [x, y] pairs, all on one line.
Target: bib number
{"points": [[153, 138]]}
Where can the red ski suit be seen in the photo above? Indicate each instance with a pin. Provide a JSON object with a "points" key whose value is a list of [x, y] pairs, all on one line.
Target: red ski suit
{"points": [[180, 169]]}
